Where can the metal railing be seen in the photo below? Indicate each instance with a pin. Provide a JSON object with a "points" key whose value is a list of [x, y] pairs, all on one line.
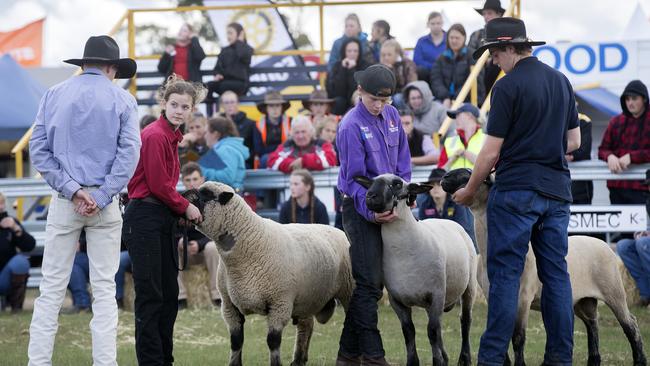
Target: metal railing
{"points": [[271, 179]]}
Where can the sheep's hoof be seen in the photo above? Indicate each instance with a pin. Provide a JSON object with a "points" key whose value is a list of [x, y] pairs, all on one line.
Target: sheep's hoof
{"points": [[298, 363], [464, 360]]}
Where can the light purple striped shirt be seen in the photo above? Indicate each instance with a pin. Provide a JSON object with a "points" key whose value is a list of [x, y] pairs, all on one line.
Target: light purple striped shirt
{"points": [[86, 134]]}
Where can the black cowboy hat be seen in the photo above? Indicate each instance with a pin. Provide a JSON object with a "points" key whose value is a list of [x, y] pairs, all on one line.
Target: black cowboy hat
{"points": [[503, 32], [104, 50], [317, 96], [273, 97], [493, 5]]}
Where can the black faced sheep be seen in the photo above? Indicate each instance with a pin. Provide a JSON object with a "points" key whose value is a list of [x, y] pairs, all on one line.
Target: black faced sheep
{"points": [[429, 264], [594, 273], [285, 272]]}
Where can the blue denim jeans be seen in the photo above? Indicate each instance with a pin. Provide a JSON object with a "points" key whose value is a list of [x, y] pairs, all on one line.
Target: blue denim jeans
{"points": [[360, 335], [514, 218], [125, 266], [78, 284], [19, 265], [636, 256], [79, 278]]}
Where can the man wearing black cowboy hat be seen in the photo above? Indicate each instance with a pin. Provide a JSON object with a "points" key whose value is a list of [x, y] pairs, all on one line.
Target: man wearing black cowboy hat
{"points": [[491, 9], [86, 144], [532, 125], [371, 142]]}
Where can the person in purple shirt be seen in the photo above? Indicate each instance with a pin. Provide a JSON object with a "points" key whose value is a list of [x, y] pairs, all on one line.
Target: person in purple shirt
{"points": [[429, 47], [371, 142]]}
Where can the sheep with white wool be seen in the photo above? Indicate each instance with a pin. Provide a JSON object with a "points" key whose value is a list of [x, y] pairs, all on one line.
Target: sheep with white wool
{"points": [[592, 267], [286, 272], [429, 264]]}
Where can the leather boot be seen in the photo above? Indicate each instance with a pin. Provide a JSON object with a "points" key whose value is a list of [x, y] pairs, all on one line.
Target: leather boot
{"points": [[379, 361], [16, 295], [347, 361]]}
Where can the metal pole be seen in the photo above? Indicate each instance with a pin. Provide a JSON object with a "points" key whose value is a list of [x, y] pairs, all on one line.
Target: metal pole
{"points": [[133, 88], [474, 91], [322, 44], [19, 174]]}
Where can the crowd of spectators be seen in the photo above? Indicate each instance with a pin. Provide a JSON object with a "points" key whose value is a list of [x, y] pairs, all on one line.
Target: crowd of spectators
{"points": [[222, 145]]}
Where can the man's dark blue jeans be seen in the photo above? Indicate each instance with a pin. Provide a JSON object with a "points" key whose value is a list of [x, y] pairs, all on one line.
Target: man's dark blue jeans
{"points": [[514, 218], [360, 335]]}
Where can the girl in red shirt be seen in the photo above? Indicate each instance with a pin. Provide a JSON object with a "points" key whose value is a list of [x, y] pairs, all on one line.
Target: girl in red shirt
{"points": [[153, 208]]}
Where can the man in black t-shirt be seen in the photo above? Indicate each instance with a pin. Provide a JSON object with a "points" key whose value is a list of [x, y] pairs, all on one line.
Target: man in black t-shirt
{"points": [[532, 125]]}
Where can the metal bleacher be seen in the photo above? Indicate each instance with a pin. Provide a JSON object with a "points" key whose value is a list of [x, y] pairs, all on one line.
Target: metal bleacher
{"points": [[285, 77]]}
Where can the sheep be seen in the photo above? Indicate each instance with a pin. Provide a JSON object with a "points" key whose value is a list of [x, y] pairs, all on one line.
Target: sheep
{"points": [[429, 264], [594, 273], [286, 272]]}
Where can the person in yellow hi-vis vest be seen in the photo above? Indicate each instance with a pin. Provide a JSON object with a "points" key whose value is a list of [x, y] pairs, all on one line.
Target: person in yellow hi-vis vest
{"points": [[460, 151]]}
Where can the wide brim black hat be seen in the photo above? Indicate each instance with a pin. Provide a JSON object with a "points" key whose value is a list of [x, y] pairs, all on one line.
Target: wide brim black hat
{"points": [[504, 32], [104, 50], [491, 4]]}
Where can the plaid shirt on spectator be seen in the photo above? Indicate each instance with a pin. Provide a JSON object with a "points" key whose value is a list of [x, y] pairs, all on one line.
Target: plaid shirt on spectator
{"points": [[624, 135]]}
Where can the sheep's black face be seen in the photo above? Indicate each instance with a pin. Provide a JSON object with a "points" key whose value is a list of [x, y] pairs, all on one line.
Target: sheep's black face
{"points": [[455, 180], [383, 194], [386, 190], [203, 195]]}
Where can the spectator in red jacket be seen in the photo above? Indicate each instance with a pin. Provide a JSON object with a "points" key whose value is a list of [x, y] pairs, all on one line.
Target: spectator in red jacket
{"points": [[626, 142], [302, 150], [184, 57]]}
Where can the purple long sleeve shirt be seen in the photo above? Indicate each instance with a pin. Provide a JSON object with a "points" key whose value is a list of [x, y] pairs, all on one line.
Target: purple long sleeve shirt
{"points": [[370, 146]]}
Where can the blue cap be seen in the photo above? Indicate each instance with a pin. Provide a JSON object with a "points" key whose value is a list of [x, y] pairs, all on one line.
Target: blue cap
{"points": [[466, 107]]}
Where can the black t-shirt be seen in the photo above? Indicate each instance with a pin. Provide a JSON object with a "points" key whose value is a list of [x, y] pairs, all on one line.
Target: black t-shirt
{"points": [[532, 108]]}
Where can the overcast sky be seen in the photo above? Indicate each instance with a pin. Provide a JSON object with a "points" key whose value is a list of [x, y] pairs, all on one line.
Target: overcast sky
{"points": [[70, 22]]}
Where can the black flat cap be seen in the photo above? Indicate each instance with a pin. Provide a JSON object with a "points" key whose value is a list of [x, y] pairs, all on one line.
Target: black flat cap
{"points": [[377, 80]]}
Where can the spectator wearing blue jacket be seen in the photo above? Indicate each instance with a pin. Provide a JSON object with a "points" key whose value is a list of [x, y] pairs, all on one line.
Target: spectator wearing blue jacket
{"points": [[437, 204], [225, 162], [430, 47], [352, 30]]}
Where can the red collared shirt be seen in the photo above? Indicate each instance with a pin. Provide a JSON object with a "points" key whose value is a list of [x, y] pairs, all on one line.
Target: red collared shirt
{"points": [[158, 169]]}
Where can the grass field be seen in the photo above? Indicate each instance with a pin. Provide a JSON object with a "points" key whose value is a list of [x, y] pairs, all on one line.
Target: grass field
{"points": [[201, 338]]}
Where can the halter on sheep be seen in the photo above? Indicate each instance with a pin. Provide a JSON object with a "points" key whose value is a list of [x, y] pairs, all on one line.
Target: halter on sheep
{"points": [[429, 264], [594, 273]]}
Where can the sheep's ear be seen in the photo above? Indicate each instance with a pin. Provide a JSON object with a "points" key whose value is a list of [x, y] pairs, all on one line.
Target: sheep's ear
{"points": [[415, 188], [364, 181], [224, 197], [192, 195]]}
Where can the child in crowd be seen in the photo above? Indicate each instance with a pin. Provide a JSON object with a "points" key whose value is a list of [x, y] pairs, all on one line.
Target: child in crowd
{"points": [[303, 207]]}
